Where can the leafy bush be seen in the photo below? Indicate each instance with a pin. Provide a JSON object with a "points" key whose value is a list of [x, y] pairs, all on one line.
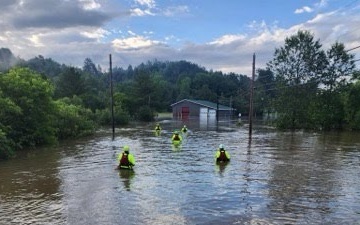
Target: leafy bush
{"points": [[145, 114], [121, 117], [7, 146], [27, 119], [73, 120]]}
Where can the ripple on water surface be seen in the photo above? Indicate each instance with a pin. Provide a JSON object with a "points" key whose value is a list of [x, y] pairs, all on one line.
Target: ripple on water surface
{"points": [[273, 178]]}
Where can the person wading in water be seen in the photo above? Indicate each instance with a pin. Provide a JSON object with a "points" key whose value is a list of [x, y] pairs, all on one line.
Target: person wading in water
{"points": [[221, 154], [126, 159]]}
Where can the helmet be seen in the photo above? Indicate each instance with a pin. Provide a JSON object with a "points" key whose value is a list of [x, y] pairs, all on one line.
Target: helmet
{"points": [[221, 146], [176, 132], [126, 148], [184, 125]]}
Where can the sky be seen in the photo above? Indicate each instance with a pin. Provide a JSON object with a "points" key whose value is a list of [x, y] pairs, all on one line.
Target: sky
{"points": [[219, 35]]}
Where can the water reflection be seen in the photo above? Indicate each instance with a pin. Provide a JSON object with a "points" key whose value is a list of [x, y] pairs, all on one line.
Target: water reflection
{"points": [[273, 178], [176, 147], [221, 167], [157, 133], [30, 189], [126, 176]]}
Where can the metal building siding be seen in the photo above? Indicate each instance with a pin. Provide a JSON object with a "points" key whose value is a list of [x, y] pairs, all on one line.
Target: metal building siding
{"points": [[194, 109]]}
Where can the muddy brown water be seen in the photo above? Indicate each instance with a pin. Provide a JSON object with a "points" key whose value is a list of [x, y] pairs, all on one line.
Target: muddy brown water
{"points": [[273, 178]]}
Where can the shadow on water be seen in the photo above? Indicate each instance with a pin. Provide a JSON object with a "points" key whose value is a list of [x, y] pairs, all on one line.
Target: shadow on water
{"points": [[273, 178]]}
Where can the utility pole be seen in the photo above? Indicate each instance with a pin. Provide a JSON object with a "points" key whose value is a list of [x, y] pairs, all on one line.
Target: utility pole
{"points": [[112, 99], [231, 110], [251, 96]]}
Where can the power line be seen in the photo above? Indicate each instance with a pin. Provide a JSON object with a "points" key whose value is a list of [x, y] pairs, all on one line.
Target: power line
{"points": [[352, 49]]}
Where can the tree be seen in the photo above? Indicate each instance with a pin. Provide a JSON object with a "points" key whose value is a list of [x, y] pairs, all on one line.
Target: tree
{"points": [[352, 106], [339, 68], [184, 88], [29, 97], [328, 107], [70, 83], [140, 93], [72, 120], [264, 91], [94, 93], [8, 111], [44, 66], [298, 68], [90, 68]]}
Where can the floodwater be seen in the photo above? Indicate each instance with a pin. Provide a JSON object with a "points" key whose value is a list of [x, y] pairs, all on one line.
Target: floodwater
{"points": [[273, 178]]}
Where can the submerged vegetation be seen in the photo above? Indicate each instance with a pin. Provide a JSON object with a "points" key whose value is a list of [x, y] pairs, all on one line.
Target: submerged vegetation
{"points": [[42, 101]]}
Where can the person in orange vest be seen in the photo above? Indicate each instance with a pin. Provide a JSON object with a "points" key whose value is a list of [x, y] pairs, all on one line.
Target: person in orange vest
{"points": [[126, 159], [221, 154]]}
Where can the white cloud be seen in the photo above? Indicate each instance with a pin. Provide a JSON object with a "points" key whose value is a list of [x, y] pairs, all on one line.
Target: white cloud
{"points": [[35, 40], [97, 33], [303, 10], [133, 43], [90, 4], [227, 39], [322, 3], [72, 42], [147, 3], [141, 12], [176, 10], [131, 33], [316, 6]]}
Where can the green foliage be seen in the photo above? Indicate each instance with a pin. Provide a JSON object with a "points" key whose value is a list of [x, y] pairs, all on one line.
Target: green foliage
{"points": [[352, 106], [8, 112], [299, 68], [264, 91], [30, 116], [7, 146], [70, 83], [120, 117], [31, 98], [90, 68], [73, 120], [145, 114], [184, 86], [326, 111], [339, 67], [44, 66], [355, 122]]}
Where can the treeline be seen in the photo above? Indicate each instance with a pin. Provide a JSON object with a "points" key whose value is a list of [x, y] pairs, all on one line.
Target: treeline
{"points": [[42, 101], [304, 86], [307, 87]]}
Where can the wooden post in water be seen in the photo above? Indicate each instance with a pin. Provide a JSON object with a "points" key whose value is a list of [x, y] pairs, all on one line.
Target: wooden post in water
{"points": [[252, 96], [112, 99]]}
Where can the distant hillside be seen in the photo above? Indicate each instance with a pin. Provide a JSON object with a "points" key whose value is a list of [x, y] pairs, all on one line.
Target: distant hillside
{"points": [[7, 59]]}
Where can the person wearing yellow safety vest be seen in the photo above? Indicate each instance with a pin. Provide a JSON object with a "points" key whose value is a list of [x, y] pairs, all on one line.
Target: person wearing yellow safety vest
{"points": [[126, 159], [222, 155], [176, 137], [157, 128], [184, 129]]}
